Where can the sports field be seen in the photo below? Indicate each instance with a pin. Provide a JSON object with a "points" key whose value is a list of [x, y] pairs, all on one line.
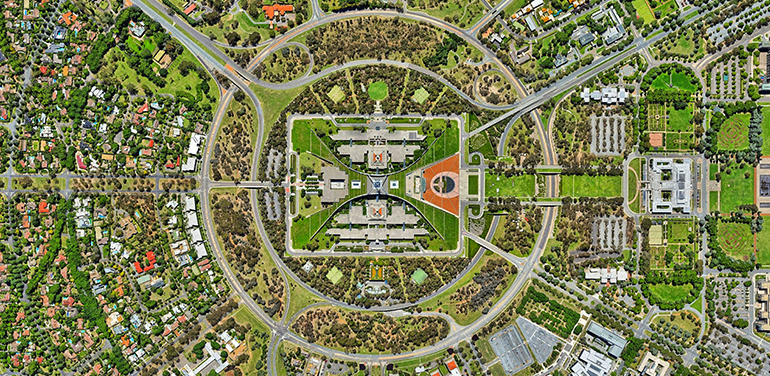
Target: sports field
{"points": [[643, 10], [336, 94], [420, 95]]}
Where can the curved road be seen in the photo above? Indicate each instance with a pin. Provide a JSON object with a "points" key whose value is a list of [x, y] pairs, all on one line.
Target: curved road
{"points": [[213, 57]]}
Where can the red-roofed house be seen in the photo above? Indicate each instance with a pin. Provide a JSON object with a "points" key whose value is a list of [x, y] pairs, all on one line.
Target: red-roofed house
{"points": [[190, 9], [276, 9]]}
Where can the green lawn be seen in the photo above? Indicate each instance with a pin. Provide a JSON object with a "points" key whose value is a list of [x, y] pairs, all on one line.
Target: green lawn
{"points": [[714, 201], [766, 130], [736, 240], [670, 293], [713, 170], [734, 133], [643, 10], [680, 120], [633, 193], [273, 102], [736, 188], [515, 186], [378, 90], [678, 80], [763, 247], [591, 186], [473, 184], [698, 304]]}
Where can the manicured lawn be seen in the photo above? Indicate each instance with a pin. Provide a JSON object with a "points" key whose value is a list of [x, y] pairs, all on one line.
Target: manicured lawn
{"points": [[679, 231], [515, 186], [591, 186], [634, 173], [643, 10], [678, 80], [666, 8], [378, 90], [763, 247], [473, 184], [766, 130], [713, 201], [680, 120], [670, 293], [736, 240], [698, 304], [736, 188], [734, 133], [713, 170]]}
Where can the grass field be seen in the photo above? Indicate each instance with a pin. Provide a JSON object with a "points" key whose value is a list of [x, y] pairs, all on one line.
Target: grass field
{"points": [[643, 10], [41, 184], [378, 90], [635, 199], [734, 134], [591, 186], [714, 201], [480, 143], [680, 120], [473, 184], [515, 186], [736, 240], [670, 293], [763, 247], [698, 304], [678, 80], [736, 188]]}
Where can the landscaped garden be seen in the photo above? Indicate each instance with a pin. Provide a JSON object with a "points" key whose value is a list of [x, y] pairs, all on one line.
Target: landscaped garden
{"points": [[736, 240], [734, 133]]}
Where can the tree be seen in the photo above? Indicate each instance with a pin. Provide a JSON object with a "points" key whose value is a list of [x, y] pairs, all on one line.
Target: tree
{"points": [[232, 38]]}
